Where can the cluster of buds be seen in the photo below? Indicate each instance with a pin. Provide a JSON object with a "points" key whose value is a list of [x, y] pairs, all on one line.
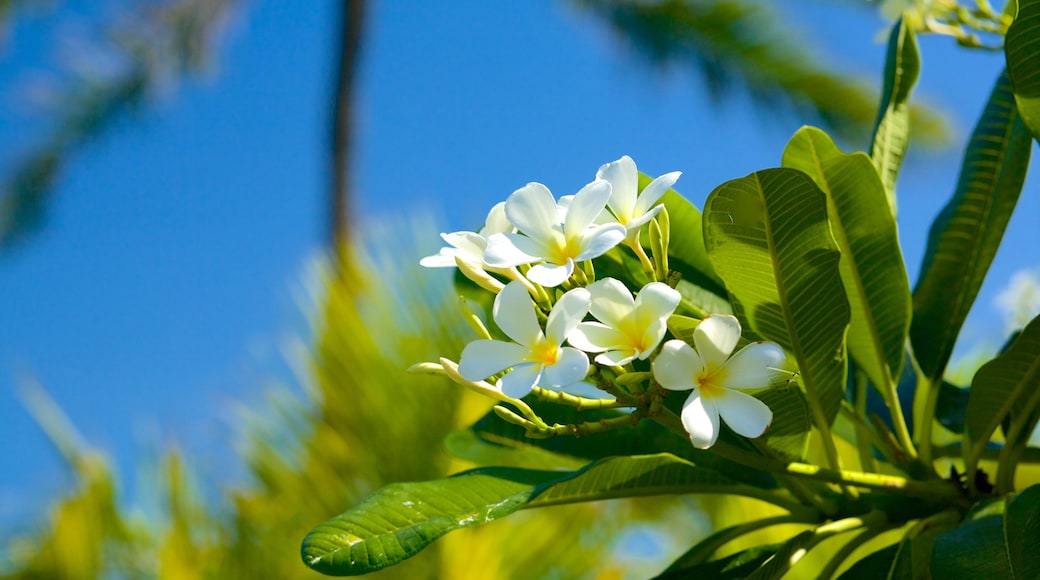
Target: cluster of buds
{"points": [[536, 254]]}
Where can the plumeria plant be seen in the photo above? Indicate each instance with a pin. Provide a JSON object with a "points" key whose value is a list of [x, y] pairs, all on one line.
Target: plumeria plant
{"points": [[769, 347]]}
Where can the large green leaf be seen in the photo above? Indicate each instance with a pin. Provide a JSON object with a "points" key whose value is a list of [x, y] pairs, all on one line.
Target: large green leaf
{"points": [[872, 264], [966, 234], [769, 239], [401, 519], [1002, 386], [995, 545], [1022, 51], [892, 130]]}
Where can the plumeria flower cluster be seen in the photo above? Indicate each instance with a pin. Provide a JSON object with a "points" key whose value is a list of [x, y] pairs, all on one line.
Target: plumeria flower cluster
{"points": [[563, 330]]}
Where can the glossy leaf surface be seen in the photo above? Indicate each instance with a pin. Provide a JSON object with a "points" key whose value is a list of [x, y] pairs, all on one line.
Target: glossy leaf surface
{"points": [[872, 265], [966, 234], [401, 519], [769, 239]]}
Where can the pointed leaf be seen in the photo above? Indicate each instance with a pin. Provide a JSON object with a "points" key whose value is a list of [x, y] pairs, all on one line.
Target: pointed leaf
{"points": [[872, 266], [769, 239], [1022, 51], [1002, 386], [965, 235], [997, 545], [401, 519], [892, 130]]}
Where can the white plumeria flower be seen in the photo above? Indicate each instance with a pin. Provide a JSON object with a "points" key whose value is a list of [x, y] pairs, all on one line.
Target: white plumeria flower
{"points": [[631, 207], [717, 379], [627, 328], [469, 246], [536, 358], [551, 237]]}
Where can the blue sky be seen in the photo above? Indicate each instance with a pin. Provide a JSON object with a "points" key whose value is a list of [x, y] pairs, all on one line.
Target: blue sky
{"points": [[164, 282]]}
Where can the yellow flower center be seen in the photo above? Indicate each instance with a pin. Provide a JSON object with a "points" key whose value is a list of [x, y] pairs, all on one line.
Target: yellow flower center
{"points": [[710, 382], [566, 249], [544, 352]]}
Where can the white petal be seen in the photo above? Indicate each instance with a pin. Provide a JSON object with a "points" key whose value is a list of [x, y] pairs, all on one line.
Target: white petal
{"points": [[562, 205], [597, 240], [497, 222], [754, 366], [550, 275], [501, 252], [635, 223], [616, 357], [700, 418], [677, 365], [483, 358], [653, 192], [594, 337], [611, 301], [566, 314], [656, 301], [514, 314], [519, 381], [624, 182], [445, 258], [535, 247], [571, 367], [468, 243], [743, 413], [652, 337], [715, 338], [532, 209], [586, 207]]}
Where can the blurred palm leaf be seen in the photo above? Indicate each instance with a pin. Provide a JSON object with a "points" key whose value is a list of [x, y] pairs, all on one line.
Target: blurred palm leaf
{"points": [[141, 54], [741, 44]]}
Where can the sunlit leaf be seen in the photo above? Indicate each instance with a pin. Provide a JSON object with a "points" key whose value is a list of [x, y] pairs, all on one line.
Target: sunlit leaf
{"points": [[872, 266], [965, 235], [892, 129], [769, 238], [401, 519]]}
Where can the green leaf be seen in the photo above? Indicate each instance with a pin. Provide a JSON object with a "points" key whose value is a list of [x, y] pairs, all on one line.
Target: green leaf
{"points": [[734, 567], [785, 557], [788, 434], [993, 546], [1022, 51], [401, 519], [872, 266], [1002, 386], [769, 239], [966, 234], [909, 558], [892, 130]]}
